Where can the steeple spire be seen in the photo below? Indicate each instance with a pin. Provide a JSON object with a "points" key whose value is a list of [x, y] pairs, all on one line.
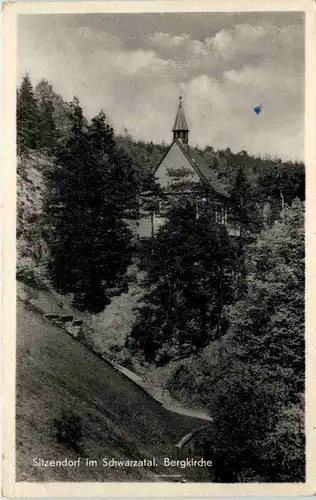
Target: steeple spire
{"points": [[180, 128]]}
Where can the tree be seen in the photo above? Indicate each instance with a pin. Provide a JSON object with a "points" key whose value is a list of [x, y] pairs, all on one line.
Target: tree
{"points": [[90, 243], [243, 201], [122, 186], [145, 157], [189, 281], [269, 321], [257, 404], [273, 179], [245, 404], [27, 115], [55, 112], [282, 182], [248, 217], [48, 127], [283, 450]]}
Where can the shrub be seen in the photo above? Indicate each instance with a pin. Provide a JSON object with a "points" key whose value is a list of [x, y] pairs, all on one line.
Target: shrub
{"points": [[69, 430], [32, 276]]}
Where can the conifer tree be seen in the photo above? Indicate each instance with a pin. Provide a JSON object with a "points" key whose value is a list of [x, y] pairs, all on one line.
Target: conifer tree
{"points": [[244, 203], [48, 126], [90, 243], [45, 93], [28, 130], [46, 99]]}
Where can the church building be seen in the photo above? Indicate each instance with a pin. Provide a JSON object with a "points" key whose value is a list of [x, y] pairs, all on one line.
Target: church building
{"points": [[178, 171]]}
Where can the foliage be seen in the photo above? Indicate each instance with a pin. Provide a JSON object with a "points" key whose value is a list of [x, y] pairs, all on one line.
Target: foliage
{"points": [[244, 204], [189, 280], [27, 273], [90, 185], [45, 101], [250, 404], [179, 173], [283, 181], [283, 450], [27, 115], [146, 157], [272, 180], [42, 117], [69, 430], [269, 321], [60, 110], [245, 405]]}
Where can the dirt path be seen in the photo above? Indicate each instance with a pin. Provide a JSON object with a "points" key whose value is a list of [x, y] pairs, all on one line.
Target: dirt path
{"points": [[156, 393]]}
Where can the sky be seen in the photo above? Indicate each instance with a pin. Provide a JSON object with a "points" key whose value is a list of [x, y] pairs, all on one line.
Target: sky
{"points": [[134, 66]]}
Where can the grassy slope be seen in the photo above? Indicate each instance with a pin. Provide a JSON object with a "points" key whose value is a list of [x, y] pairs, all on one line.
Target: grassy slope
{"points": [[56, 374]]}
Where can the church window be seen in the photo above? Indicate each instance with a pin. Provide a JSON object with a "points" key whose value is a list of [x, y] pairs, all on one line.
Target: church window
{"points": [[161, 208]]}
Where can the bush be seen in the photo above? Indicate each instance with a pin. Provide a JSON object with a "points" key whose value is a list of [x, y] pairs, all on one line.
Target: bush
{"points": [[245, 405], [30, 275], [123, 357], [284, 448], [69, 430]]}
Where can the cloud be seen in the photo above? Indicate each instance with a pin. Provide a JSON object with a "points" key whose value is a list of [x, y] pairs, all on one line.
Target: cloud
{"points": [[222, 77], [227, 46], [183, 45]]}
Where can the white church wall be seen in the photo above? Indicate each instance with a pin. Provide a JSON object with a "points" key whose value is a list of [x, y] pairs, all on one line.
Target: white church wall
{"points": [[174, 159], [144, 227]]}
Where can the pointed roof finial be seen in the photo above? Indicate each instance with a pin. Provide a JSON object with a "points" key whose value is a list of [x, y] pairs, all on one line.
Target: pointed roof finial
{"points": [[180, 122]]}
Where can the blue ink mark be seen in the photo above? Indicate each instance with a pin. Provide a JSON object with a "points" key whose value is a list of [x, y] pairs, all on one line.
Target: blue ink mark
{"points": [[258, 109]]}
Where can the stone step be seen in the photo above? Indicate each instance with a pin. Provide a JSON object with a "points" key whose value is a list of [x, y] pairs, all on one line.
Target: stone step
{"points": [[51, 316], [77, 322], [66, 318]]}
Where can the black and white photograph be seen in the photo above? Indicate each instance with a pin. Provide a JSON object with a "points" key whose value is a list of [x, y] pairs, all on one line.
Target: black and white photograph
{"points": [[160, 247]]}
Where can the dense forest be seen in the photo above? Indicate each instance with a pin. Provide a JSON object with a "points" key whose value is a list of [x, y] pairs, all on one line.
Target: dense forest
{"points": [[233, 306]]}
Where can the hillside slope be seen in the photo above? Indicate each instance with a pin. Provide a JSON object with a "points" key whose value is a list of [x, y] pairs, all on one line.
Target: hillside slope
{"points": [[57, 377]]}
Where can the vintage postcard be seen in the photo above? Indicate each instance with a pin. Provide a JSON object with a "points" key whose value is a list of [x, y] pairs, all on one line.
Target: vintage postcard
{"points": [[159, 232]]}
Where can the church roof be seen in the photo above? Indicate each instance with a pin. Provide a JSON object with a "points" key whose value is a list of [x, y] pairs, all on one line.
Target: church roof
{"points": [[180, 123], [203, 170], [200, 166]]}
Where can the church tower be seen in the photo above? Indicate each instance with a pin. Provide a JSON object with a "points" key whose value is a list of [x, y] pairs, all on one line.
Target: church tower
{"points": [[180, 128]]}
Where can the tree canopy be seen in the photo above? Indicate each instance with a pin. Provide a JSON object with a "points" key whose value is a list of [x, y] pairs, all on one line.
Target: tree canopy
{"points": [[261, 390], [90, 242], [190, 278]]}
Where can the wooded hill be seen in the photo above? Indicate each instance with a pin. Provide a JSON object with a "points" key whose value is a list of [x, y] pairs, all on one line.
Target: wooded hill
{"points": [[231, 310]]}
